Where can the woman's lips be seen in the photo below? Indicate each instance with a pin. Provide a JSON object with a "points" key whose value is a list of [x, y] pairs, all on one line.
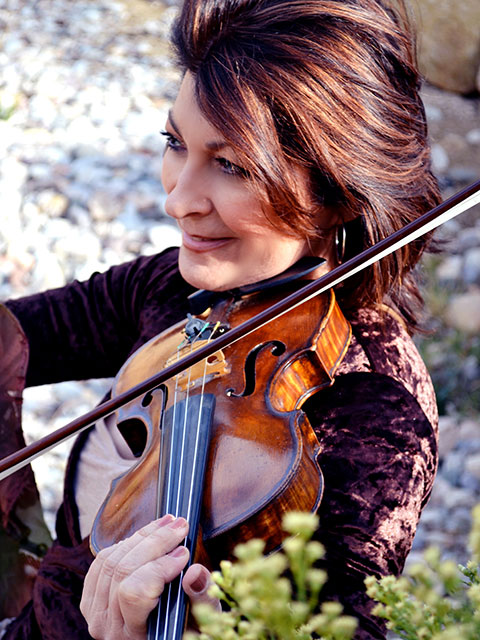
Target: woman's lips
{"points": [[202, 243]]}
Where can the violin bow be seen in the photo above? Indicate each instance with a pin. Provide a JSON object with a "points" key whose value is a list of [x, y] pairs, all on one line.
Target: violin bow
{"points": [[452, 207]]}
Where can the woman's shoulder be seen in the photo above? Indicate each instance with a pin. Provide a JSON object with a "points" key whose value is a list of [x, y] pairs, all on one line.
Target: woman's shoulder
{"points": [[381, 345], [157, 293], [150, 267]]}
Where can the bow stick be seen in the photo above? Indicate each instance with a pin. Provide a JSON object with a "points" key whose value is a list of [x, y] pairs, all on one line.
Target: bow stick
{"points": [[456, 204]]}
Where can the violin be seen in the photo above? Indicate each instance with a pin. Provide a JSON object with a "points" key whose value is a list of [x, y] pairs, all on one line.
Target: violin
{"points": [[224, 443]]}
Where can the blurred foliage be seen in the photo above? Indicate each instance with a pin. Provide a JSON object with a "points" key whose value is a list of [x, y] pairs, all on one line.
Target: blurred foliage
{"points": [[6, 112], [435, 600], [8, 106], [264, 604], [452, 357]]}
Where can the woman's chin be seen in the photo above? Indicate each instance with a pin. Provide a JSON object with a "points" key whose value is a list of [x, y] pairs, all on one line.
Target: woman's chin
{"points": [[203, 277]]}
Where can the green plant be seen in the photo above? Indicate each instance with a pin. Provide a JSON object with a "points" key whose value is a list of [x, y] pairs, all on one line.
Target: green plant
{"points": [[263, 603], [451, 355], [7, 107], [436, 600]]}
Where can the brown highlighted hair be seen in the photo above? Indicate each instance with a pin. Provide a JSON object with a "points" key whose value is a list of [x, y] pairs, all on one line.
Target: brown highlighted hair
{"points": [[330, 86]]}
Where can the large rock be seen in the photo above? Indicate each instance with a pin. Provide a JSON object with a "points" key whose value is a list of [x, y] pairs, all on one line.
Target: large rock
{"points": [[449, 43]]}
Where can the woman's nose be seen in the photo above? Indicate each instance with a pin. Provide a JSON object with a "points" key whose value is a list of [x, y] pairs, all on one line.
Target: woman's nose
{"points": [[186, 194]]}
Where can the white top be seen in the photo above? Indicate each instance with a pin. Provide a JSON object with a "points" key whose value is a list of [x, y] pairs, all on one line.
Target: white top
{"points": [[104, 457]]}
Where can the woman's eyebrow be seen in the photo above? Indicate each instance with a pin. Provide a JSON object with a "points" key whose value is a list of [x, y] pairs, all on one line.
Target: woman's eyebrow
{"points": [[172, 122], [214, 145]]}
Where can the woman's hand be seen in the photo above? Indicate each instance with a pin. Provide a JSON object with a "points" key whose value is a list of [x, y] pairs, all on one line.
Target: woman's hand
{"points": [[125, 580]]}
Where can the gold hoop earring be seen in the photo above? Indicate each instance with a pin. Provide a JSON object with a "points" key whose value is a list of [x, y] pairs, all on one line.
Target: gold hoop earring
{"points": [[340, 241]]}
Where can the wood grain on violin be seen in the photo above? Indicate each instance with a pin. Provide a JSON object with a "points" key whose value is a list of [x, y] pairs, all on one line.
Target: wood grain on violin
{"points": [[253, 474]]}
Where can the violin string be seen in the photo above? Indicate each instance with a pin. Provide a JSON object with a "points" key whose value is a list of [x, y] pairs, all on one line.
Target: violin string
{"points": [[158, 513], [195, 461], [197, 435], [193, 469], [183, 435], [202, 395], [170, 497], [184, 430], [160, 467], [176, 509]]}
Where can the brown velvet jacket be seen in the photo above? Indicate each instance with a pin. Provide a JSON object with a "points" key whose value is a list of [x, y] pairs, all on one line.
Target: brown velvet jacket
{"points": [[377, 428]]}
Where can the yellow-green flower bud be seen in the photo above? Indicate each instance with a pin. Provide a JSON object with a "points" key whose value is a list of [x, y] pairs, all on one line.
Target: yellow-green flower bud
{"points": [[314, 551], [214, 591], [316, 578], [432, 556], [252, 549], [293, 546], [297, 522], [332, 609], [344, 627]]}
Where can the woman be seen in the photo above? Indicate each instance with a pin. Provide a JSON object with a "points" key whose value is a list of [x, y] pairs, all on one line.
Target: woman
{"points": [[298, 130]]}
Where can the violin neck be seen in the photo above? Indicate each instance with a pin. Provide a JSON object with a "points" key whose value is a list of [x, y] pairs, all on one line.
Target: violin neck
{"points": [[186, 428]]}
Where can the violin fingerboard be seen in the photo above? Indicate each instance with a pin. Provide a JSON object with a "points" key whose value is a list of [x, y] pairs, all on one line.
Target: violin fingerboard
{"points": [[186, 428]]}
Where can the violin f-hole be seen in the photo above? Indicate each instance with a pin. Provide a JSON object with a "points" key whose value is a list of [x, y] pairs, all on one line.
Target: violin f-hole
{"points": [[148, 397], [134, 430], [277, 348], [135, 434]]}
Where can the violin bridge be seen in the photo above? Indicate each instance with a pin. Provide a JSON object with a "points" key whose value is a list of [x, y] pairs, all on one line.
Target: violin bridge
{"points": [[214, 366]]}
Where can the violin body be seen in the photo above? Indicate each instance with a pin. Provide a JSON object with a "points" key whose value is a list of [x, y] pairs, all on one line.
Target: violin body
{"points": [[261, 458]]}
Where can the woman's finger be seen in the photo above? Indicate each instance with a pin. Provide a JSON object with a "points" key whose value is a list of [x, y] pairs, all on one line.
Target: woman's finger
{"points": [[115, 568], [148, 543], [117, 562], [196, 583], [138, 594]]}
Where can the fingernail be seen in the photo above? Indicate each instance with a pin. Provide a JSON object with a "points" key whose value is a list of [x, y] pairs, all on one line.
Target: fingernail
{"points": [[178, 552], [200, 584], [178, 523], [164, 520]]}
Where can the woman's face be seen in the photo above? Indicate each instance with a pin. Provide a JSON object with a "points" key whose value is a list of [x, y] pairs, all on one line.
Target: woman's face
{"points": [[226, 238]]}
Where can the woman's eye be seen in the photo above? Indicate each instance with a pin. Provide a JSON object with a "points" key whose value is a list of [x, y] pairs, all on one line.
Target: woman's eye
{"points": [[172, 141], [231, 168]]}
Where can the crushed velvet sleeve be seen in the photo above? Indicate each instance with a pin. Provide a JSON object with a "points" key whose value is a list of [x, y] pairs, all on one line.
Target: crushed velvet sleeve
{"points": [[88, 329], [378, 456]]}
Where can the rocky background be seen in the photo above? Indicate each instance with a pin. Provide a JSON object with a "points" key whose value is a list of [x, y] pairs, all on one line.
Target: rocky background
{"points": [[84, 90]]}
